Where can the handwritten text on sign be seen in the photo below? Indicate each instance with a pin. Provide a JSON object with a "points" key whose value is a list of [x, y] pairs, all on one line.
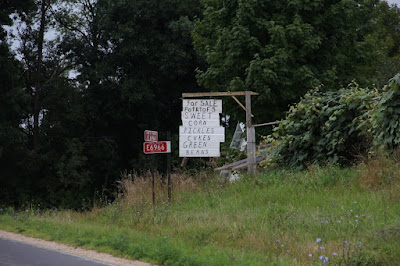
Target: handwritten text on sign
{"points": [[201, 130], [200, 116], [202, 137], [202, 106], [199, 153], [200, 134], [199, 144], [200, 123]]}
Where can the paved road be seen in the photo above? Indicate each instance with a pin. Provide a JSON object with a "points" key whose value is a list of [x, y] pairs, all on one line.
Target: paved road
{"points": [[15, 253]]}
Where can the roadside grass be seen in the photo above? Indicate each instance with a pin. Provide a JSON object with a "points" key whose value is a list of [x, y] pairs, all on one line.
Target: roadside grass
{"points": [[324, 215]]}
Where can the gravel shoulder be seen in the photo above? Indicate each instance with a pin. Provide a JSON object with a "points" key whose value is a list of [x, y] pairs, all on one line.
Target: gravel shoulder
{"points": [[72, 250]]}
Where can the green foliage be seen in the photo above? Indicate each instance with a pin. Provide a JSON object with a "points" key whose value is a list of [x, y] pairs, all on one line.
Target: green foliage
{"points": [[133, 65], [14, 102], [387, 117], [132, 61], [12, 6], [382, 39], [326, 127], [281, 49]]}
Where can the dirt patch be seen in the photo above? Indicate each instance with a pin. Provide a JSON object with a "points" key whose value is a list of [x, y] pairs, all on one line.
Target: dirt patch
{"points": [[72, 250]]}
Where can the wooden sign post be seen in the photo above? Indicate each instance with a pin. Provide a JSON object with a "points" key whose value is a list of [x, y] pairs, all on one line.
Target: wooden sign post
{"points": [[251, 138]]}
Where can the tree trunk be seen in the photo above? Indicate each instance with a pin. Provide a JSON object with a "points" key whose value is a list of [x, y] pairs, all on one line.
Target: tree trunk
{"points": [[38, 87]]}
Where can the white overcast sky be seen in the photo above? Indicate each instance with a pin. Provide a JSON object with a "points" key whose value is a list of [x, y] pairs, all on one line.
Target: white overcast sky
{"points": [[394, 2]]}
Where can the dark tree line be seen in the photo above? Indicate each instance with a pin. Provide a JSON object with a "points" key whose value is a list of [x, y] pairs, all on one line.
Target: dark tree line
{"points": [[73, 106]]}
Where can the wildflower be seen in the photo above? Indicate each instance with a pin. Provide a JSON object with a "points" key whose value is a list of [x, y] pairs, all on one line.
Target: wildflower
{"points": [[345, 242], [325, 260], [334, 254], [360, 244], [310, 255], [318, 240], [277, 241], [321, 257], [351, 210], [287, 251], [356, 216], [321, 248]]}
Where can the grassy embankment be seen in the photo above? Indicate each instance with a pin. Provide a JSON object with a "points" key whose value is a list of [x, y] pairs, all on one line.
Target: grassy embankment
{"points": [[322, 215]]}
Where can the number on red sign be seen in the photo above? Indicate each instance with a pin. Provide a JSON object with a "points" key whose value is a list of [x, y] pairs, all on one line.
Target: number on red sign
{"points": [[155, 147]]}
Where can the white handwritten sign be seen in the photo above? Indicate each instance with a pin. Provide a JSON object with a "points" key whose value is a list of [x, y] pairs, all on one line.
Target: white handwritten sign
{"points": [[201, 130], [202, 137], [199, 152], [201, 134], [185, 144], [203, 106], [200, 123], [200, 116]]}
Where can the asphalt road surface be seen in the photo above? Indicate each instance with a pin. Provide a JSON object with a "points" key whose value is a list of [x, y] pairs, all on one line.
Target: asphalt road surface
{"points": [[15, 253]]}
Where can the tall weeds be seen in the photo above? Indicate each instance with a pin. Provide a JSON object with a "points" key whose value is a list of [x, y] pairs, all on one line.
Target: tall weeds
{"points": [[380, 172], [134, 188]]}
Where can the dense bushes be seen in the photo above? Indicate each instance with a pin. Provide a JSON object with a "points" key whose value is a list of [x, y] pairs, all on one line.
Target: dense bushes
{"points": [[387, 118], [338, 126]]}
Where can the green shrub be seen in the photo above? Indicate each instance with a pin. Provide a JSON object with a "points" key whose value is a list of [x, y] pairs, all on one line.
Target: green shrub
{"points": [[386, 120], [325, 127]]}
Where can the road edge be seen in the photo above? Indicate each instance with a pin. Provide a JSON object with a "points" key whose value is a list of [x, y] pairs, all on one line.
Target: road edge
{"points": [[85, 253]]}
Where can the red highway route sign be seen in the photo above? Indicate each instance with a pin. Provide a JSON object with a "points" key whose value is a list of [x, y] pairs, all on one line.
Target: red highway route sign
{"points": [[157, 147]]}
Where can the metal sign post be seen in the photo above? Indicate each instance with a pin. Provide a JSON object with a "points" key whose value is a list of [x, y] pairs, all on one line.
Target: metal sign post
{"points": [[153, 146], [169, 183]]}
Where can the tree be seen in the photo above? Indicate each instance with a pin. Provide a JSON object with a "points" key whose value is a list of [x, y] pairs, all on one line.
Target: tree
{"points": [[42, 132], [382, 38], [134, 59], [131, 60], [13, 101], [281, 49]]}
